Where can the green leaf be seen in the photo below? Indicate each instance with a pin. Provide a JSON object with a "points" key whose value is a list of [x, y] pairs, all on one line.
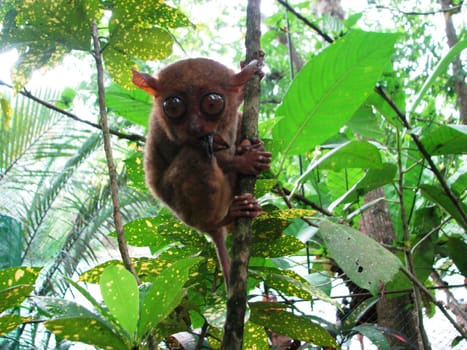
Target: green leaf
{"points": [[330, 88], [284, 245], [72, 321], [66, 98], [288, 324], [88, 330], [374, 178], [352, 318], [447, 139], [363, 260], [120, 292], [10, 322], [292, 284], [355, 154], [255, 337], [163, 229], [14, 296], [15, 276], [135, 170], [10, 242], [43, 31], [164, 295], [376, 336], [456, 250], [133, 105], [215, 310], [436, 195]]}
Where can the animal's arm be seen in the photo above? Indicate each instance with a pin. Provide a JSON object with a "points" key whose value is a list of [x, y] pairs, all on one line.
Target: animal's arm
{"points": [[250, 158]]}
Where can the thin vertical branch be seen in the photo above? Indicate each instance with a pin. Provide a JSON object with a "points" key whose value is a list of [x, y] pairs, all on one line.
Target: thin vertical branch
{"points": [[237, 292], [421, 335], [122, 245]]}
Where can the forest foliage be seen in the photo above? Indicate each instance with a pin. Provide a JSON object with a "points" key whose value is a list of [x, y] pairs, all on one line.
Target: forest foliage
{"points": [[359, 115]]}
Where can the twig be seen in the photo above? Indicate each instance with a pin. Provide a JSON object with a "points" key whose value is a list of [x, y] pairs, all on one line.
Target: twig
{"points": [[237, 289], [26, 93], [307, 22], [434, 301], [122, 245], [425, 154], [454, 9]]}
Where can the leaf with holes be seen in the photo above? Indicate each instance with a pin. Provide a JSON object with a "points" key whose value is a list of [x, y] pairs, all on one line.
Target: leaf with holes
{"points": [[120, 292], [363, 260], [164, 295], [293, 326]]}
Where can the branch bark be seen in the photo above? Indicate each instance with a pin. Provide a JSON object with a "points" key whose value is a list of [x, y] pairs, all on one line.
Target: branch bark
{"points": [[26, 93], [237, 292], [122, 245]]}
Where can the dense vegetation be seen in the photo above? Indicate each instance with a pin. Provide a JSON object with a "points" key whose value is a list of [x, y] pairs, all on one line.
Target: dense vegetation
{"points": [[366, 123]]}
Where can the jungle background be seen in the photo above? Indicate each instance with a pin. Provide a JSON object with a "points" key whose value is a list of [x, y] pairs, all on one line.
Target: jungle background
{"points": [[363, 105]]}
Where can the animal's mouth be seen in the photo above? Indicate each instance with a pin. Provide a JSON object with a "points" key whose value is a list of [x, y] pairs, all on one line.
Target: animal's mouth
{"points": [[212, 143]]}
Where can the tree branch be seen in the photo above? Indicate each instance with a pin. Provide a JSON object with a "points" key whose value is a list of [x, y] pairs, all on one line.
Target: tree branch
{"points": [[26, 93], [425, 154], [237, 292], [307, 22], [122, 245]]}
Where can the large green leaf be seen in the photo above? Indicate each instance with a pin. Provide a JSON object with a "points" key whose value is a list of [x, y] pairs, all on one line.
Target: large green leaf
{"points": [[161, 231], [355, 154], [330, 88], [438, 196], [133, 105], [447, 139], [362, 259], [120, 292], [164, 295], [72, 321], [288, 324]]}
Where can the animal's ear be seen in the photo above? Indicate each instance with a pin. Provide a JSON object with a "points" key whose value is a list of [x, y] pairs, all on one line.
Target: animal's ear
{"points": [[248, 70], [146, 82]]}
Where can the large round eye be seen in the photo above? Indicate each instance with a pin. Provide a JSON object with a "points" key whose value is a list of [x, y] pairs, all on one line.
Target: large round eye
{"points": [[212, 104], [174, 107]]}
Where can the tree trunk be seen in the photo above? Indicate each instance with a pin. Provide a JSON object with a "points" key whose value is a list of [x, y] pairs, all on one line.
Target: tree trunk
{"points": [[458, 73], [394, 313]]}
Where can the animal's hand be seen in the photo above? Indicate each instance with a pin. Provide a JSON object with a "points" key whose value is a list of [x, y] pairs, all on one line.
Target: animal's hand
{"points": [[252, 159]]}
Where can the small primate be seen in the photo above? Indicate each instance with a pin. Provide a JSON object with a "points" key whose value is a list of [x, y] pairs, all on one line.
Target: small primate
{"points": [[193, 153]]}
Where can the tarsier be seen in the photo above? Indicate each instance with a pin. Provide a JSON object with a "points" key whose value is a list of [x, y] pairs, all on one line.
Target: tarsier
{"points": [[193, 153]]}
